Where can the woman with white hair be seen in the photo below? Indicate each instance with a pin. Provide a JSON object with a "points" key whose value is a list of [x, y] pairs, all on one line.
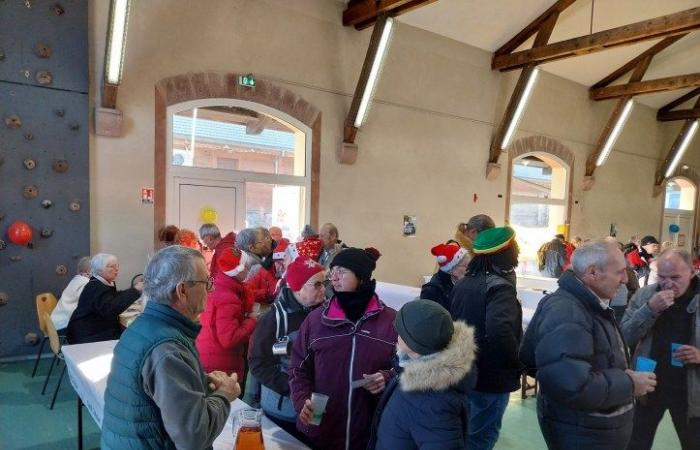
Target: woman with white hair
{"points": [[97, 316]]}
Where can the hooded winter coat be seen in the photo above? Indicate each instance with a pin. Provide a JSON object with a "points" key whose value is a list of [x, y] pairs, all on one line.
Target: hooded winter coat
{"points": [[425, 406], [329, 353], [225, 328]]}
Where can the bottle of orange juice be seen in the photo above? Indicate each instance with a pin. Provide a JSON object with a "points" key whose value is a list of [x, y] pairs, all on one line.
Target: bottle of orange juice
{"points": [[249, 430]]}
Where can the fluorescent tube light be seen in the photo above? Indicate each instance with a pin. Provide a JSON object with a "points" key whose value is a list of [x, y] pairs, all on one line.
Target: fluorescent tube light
{"points": [[681, 149], [520, 108], [612, 137], [116, 41], [374, 72]]}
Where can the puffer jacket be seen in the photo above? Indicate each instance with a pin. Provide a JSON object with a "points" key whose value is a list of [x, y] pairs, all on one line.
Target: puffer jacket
{"points": [[638, 328], [225, 328], [580, 357], [330, 353], [425, 406]]}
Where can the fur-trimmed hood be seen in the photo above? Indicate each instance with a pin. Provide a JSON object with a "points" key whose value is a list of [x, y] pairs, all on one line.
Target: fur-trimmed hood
{"points": [[447, 368]]}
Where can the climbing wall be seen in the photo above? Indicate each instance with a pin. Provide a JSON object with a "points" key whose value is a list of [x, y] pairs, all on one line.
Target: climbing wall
{"points": [[44, 166]]}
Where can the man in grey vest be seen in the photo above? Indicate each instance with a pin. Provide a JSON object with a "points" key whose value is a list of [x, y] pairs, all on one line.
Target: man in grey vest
{"points": [[157, 394]]}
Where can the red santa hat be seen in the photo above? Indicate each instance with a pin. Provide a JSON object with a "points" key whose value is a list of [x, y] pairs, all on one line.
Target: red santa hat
{"points": [[281, 249], [310, 247], [232, 262], [300, 270], [448, 255]]}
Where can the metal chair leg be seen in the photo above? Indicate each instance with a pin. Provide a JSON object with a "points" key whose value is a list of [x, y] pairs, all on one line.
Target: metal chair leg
{"points": [[58, 386], [48, 375], [38, 356]]}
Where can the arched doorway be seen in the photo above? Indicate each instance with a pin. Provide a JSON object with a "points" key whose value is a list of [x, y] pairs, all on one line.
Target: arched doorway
{"points": [[538, 202]]}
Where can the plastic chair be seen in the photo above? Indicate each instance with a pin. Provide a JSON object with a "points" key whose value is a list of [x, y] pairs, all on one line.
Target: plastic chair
{"points": [[55, 343], [45, 303]]}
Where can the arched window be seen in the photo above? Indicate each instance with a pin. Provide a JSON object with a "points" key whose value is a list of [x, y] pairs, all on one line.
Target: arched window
{"points": [[238, 164], [538, 203], [679, 212]]}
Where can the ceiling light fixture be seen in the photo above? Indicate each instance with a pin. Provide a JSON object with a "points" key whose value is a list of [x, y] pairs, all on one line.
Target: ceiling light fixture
{"points": [[520, 109], [377, 63], [612, 137], [681, 149], [116, 41]]}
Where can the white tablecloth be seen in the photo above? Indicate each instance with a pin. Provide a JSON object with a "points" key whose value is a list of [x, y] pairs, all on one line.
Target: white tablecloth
{"points": [[396, 295], [89, 365]]}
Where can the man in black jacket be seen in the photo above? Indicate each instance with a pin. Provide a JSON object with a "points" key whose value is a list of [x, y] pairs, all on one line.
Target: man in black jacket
{"points": [[97, 316], [486, 299], [586, 397], [452, 261]]}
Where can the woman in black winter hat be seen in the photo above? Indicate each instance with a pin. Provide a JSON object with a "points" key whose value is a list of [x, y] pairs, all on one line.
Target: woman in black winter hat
{"points": [[344, 350]]}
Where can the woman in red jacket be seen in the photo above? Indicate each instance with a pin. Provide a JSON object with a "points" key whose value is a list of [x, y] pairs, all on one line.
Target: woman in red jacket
{"points": [[226, 321]]}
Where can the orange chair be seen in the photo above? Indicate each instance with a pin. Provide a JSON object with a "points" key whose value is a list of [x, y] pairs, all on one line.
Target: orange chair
{"points": [[45, 303], [55, 343]]}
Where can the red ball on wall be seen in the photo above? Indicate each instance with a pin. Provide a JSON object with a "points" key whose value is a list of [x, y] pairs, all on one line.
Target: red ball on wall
{"points": [[20, 233]]}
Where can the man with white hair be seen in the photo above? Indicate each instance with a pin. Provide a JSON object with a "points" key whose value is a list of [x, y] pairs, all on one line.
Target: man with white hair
{"points": [[210, 236], [586, 397], [157, 394], [663, 322]]}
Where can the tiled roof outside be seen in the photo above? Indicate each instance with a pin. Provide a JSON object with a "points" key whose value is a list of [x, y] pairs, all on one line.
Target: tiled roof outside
{"points": [[232, 134]]}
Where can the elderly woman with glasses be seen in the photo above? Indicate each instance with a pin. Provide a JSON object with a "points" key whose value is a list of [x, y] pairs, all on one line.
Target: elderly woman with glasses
{"points": [[344, 350], [275, 333], [96, 318], [227, 322]]}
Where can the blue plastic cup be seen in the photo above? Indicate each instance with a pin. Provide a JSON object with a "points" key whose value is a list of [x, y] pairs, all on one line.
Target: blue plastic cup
{"points": [[645, 364], [675, 362]]}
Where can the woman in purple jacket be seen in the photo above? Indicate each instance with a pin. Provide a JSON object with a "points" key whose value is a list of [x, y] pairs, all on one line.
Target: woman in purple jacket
{"points": [[344, 350]]}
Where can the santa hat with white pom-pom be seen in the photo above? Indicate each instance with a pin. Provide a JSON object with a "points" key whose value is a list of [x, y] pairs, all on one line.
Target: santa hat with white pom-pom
{"points": [[448, 255]]}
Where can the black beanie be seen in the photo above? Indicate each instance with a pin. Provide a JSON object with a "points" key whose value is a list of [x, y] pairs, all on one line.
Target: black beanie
{"points": [[425, 326], [361, 262]]}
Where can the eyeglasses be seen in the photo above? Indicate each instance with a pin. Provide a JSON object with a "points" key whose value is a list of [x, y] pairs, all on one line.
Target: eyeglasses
{"points": [[209, 283], [338, 272], [315, 284]]}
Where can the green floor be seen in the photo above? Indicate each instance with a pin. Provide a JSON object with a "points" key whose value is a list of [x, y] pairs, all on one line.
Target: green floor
{"points": [[27, 423]]}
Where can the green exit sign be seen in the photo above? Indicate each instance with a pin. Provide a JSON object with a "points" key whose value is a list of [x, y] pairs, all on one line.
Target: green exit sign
{"points": [[247, 80]]}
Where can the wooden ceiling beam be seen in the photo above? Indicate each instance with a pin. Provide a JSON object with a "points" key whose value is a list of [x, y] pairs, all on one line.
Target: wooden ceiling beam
{"points": [[646, 87], [681, 114], [532, 28], [680, 100], [670, 156], [656, 48], [592, 161], [543, 35], [362, 14], [664, 26]]}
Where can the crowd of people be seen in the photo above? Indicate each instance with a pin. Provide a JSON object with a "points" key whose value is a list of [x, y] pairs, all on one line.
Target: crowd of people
{"points": [[280, 322]]}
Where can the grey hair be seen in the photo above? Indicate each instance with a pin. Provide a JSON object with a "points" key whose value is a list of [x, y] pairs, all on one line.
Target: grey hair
{"points": [[246, 238], [308, 231], [593, 253], [209, 229], [100, 261], [83, 265], [480, 222], [332, 229], [675, 251], [169, 267]]}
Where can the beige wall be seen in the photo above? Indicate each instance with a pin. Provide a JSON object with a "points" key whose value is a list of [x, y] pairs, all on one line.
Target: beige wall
{"points": [[423, 150]]}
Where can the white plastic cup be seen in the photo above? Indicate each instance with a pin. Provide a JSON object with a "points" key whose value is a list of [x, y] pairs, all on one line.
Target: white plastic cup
{"points": [[318, 403]]}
